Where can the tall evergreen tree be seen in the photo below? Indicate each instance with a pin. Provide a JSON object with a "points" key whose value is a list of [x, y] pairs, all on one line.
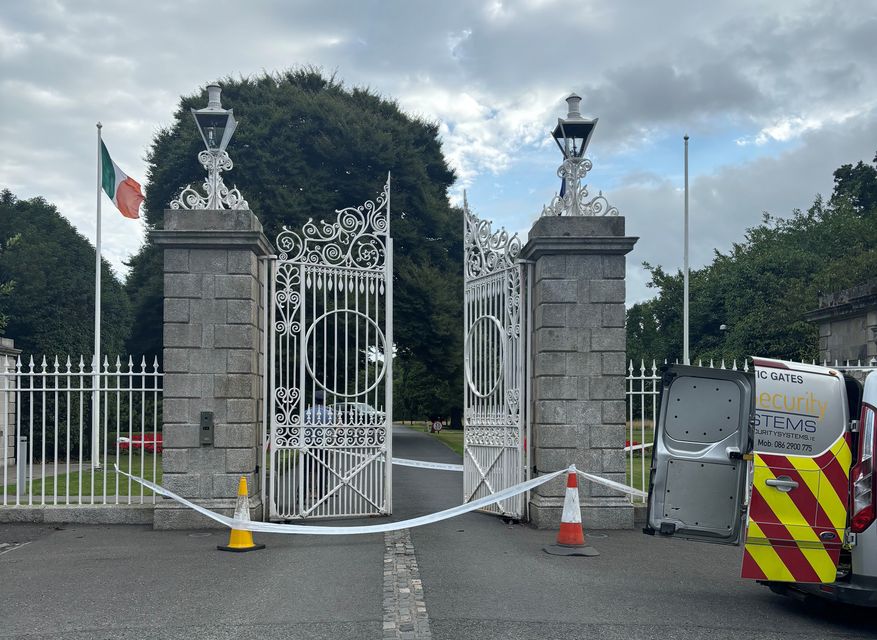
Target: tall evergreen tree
{"points": [[307, 145], [6, 286], [50, 306]]}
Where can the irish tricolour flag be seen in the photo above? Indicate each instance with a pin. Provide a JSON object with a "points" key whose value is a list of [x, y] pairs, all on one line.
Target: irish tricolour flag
{"points": [[123, 191]]}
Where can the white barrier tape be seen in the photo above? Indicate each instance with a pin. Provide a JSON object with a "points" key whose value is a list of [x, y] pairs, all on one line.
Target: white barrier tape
{"points": [[458, 467], [273, 527], [588, 476], [638, 447], [613, 485], [404, 462], [422, 464]]}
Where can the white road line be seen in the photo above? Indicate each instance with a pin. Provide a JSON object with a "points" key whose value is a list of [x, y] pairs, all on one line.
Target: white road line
{"points": [[6, 547]]}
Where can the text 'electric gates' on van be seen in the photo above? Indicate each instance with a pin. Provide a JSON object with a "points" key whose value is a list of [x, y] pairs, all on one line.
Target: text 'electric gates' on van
{"points": [[766, 460]]}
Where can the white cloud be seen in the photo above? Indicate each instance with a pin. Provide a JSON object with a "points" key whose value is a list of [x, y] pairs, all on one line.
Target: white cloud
{"points": [[12, 45], [787, 129], [456, 39], [481, 133], [493, 75], [36, 96]]}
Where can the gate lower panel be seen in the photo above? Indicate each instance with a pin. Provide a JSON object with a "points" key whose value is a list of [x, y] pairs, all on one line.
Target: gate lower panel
{"points": [[328, 482]]}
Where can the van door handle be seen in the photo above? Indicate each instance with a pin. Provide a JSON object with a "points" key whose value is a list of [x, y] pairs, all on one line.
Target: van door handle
{"points": [[783, 483]]}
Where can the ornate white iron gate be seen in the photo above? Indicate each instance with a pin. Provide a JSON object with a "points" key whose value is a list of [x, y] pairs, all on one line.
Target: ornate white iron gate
{"points": [[330, 404], [495, 366]]}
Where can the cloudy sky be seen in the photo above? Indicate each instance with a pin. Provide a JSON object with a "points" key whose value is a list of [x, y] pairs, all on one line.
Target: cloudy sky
{"points": [[774, 95]]}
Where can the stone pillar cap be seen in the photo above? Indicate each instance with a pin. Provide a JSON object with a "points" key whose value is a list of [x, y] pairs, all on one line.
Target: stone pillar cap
{"points": [[552, 235]]}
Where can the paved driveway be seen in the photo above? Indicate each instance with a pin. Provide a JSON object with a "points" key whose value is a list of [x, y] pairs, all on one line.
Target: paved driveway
{"points": [[480, 579]]}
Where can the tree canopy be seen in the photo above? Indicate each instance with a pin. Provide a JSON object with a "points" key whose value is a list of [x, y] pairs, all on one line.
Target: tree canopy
{"points": [[48, 268], [764, 285], [307, 145]]}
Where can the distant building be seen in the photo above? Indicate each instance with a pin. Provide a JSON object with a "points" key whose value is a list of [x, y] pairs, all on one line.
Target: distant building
{"points": [[847, 322]]}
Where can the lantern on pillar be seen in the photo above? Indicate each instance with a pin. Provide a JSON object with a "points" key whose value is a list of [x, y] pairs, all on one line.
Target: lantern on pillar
{"points": [[572, 135], [216, 126], [574, 131]]}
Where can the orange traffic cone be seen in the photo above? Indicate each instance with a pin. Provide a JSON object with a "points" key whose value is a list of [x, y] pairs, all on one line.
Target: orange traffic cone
{"points": [[241, 540], [571, 538]]}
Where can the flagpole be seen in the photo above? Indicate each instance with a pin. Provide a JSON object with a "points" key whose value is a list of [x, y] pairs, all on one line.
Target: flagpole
{"points": [[95, 414], [685, 358]]}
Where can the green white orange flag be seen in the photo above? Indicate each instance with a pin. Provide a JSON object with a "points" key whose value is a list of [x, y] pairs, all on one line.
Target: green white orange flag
{"points": [[125, 192]]}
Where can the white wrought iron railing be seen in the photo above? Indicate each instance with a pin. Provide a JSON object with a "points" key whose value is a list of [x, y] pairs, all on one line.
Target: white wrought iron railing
{"points": [[643, 395], [55, 453]]}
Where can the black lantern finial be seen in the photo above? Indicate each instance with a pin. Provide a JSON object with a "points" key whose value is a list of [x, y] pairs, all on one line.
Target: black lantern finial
{"points": [[573, 133], [215, 124]]}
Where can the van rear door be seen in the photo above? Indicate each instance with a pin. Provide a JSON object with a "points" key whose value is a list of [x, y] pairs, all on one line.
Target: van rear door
{"points": [[801, 466], [698, 479]]}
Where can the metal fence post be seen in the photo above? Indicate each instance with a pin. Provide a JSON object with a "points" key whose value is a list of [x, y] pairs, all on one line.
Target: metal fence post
{"points": [[21, 466]]}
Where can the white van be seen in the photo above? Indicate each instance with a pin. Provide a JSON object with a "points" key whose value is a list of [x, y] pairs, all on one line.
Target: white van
{"points": [[765, 460]]}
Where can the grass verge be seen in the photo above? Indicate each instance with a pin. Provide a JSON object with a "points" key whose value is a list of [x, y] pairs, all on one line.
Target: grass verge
{"points": [[453, 438], [104, 479], [638, 470]]}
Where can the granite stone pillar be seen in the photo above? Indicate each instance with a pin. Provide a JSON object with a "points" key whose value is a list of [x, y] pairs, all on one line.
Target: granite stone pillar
{"points": [[578, 363], [213, 323], [8, 383]]}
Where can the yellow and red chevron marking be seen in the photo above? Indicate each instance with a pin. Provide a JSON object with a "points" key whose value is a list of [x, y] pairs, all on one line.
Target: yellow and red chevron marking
{"points": [[783, 534]]}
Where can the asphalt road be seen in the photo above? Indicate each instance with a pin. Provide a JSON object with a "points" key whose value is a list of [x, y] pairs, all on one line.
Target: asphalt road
{"points": [[482, 579]]}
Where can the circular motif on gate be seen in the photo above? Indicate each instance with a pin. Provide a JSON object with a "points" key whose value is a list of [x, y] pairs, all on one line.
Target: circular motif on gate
{"points": [[341, 318], [488, 334]]}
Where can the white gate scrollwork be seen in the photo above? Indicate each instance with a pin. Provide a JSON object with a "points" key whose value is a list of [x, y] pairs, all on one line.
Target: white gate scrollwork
{"points": [[331, 331], [494, 365]]}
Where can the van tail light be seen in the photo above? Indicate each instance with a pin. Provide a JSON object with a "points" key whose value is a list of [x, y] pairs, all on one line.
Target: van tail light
{"points": [[863, 490]]}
